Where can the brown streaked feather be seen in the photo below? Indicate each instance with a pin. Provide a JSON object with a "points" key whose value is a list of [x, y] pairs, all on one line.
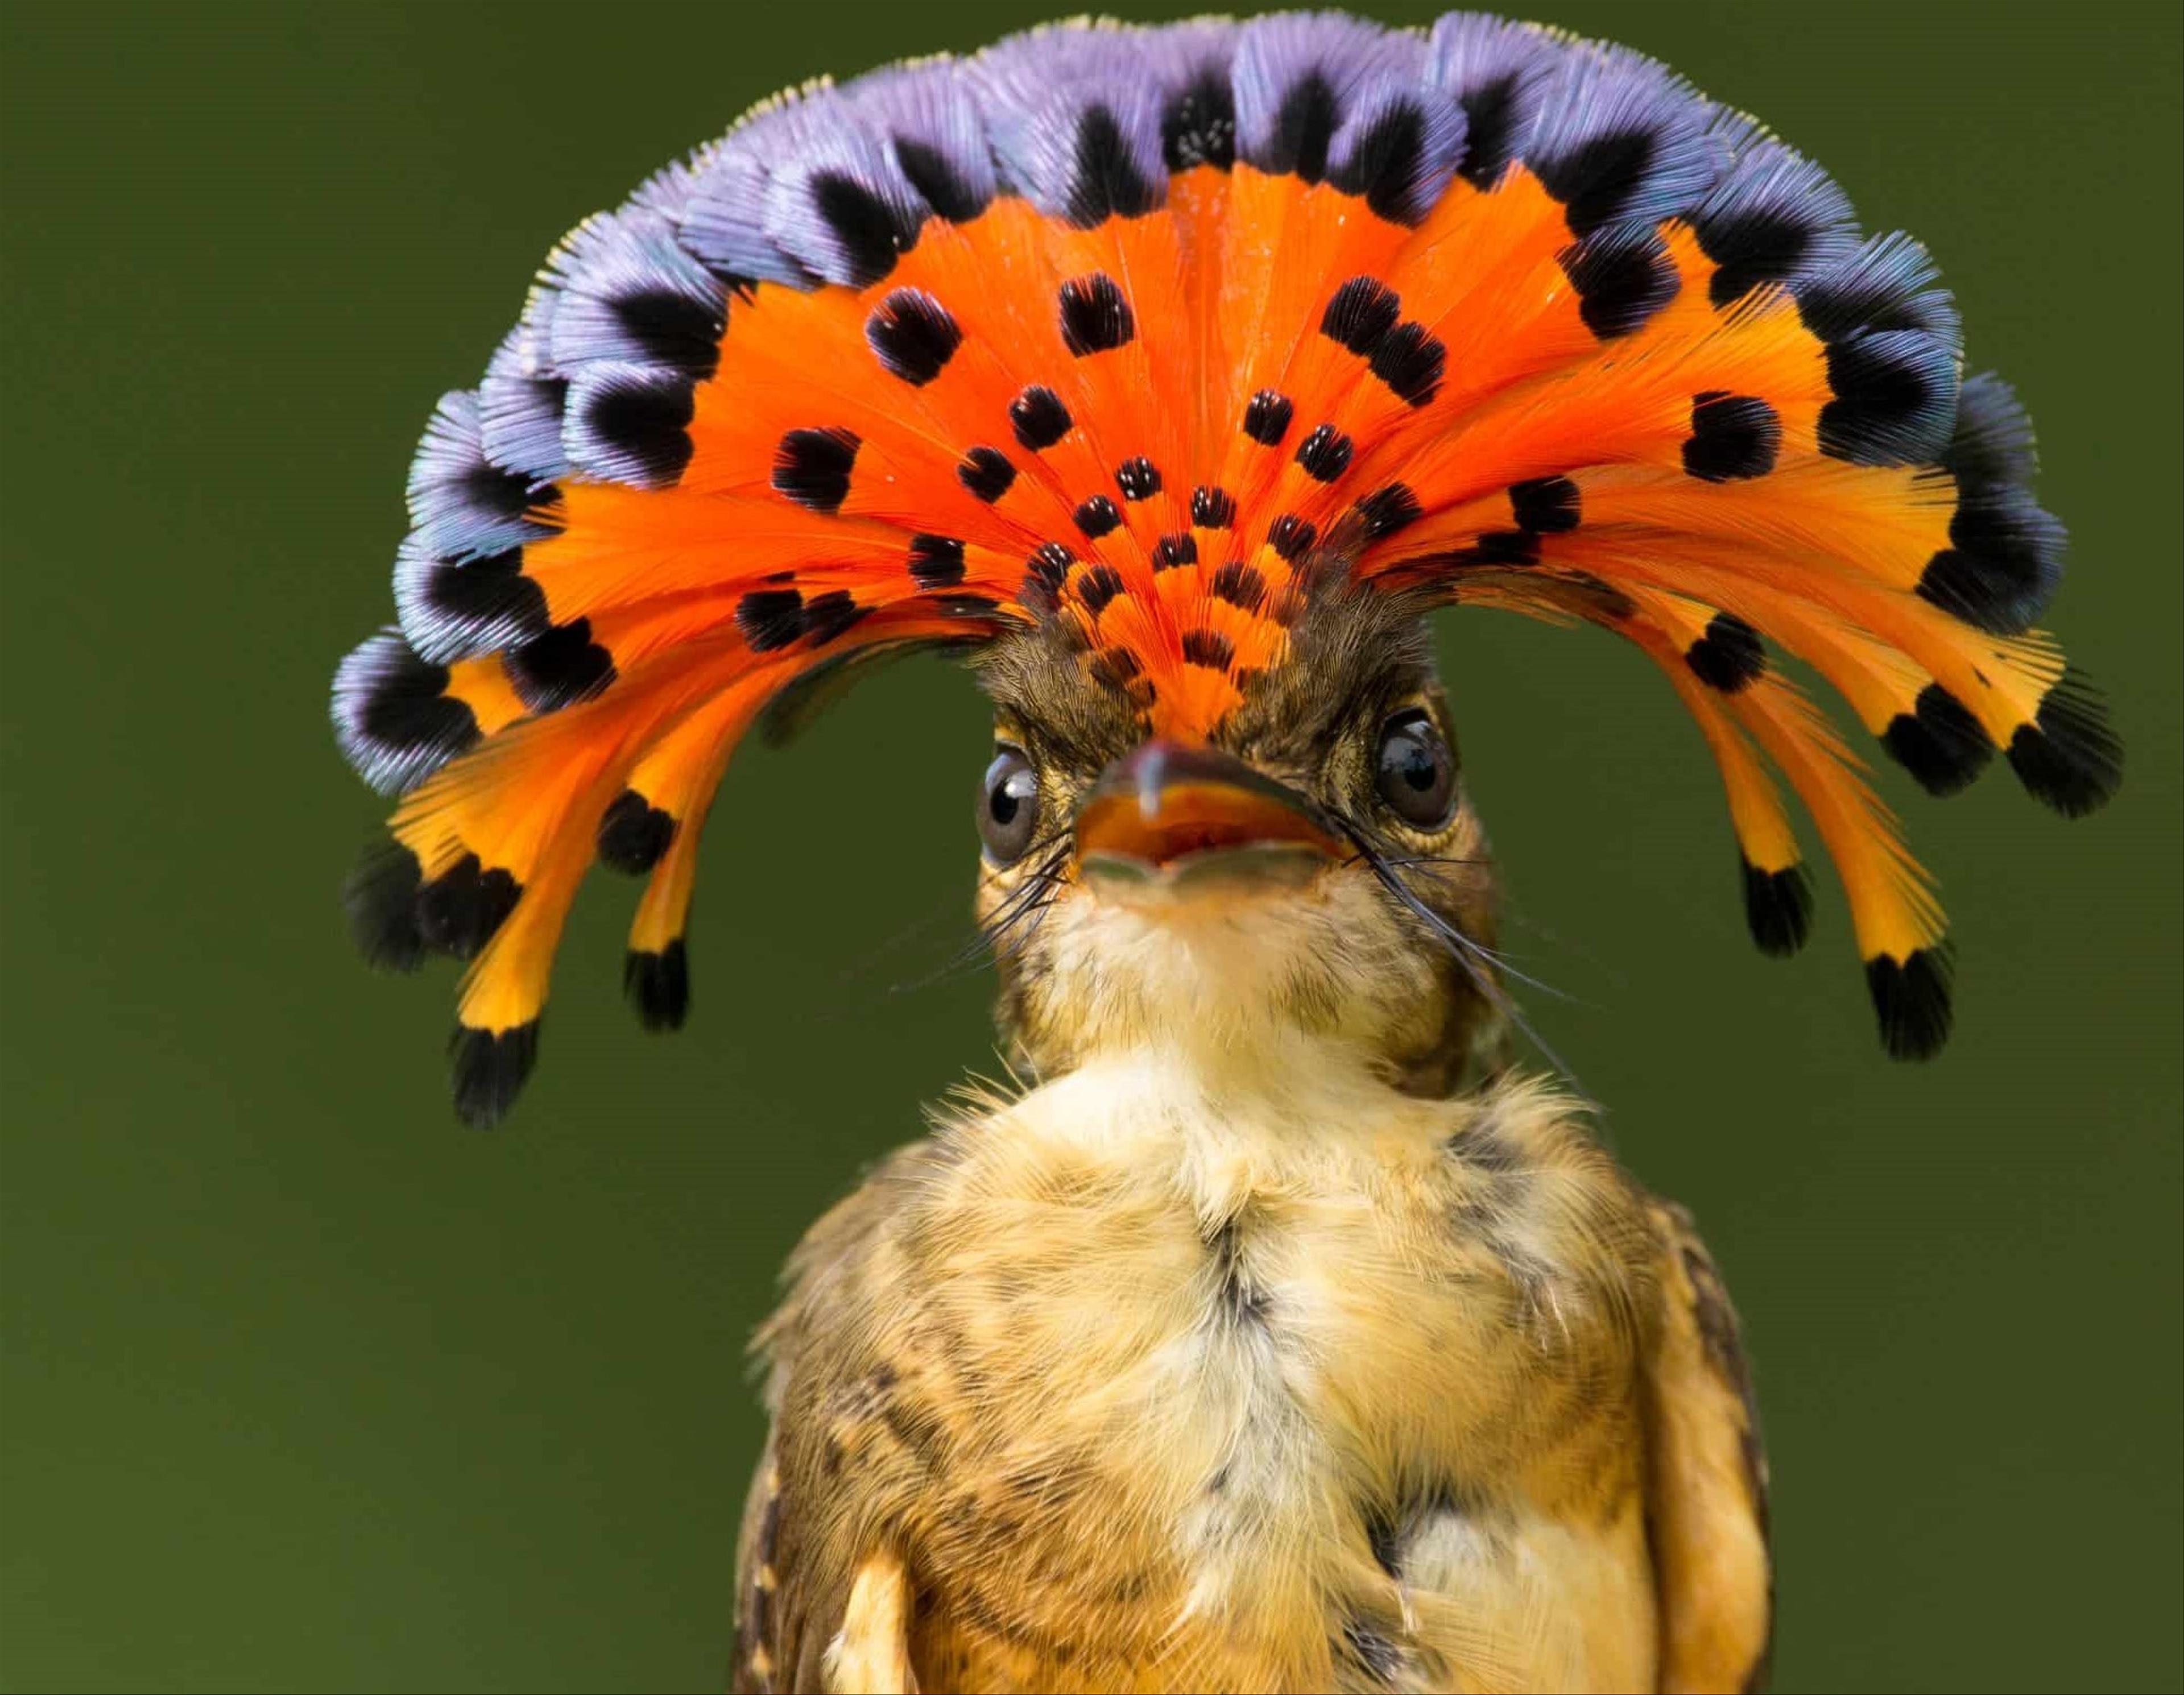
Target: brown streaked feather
{"points": [[1706, 1478], [825, 1465], [756, 1670]]}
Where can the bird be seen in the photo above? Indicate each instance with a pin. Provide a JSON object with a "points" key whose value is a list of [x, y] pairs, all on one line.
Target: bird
{"points": [[1275, 1322]]}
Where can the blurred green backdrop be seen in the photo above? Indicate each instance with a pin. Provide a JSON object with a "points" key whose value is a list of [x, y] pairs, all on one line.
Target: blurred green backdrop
{"points": [[307, 1387]]}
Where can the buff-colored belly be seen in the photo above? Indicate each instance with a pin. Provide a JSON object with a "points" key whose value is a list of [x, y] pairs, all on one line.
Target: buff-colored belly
{"points": [[1548, 1607], [1291, 1429]]}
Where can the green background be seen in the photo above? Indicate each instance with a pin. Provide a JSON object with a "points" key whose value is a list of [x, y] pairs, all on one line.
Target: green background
{"points": [[307, 1387]]}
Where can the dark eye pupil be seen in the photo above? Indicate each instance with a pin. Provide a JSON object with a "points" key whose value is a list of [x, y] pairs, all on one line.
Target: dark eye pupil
{"points": [[1011, 807], [1417, 776]]}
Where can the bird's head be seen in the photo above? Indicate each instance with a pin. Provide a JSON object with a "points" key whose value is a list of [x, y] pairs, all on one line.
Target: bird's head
{"points": [[1309, 864]]}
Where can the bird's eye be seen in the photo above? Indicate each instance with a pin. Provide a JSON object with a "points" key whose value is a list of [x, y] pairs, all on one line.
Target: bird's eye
{"points": [[1008, 807], [1417, 773]]}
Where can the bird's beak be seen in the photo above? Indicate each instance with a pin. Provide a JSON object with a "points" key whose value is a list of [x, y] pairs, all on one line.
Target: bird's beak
{"points": [[1172, 817]]}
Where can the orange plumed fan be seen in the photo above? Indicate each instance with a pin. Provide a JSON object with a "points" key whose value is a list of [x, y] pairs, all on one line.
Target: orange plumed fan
{"points": [[1277, 1331]]}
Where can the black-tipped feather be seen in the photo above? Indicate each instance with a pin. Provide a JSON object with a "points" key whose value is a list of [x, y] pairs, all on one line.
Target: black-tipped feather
{"points": [[2073, 760], [658, 985], [380, 897], [457, 912], [488, 1068], [2005, 553], [1940, 742], [1912, 1000], [633, 833], [394, 718], [1778, 907]]}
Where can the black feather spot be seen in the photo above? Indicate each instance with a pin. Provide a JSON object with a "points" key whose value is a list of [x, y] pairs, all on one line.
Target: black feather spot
{"points": [[1750, 246], [2004, 558], [1895, 395], [1911, 1001], [1385, 163], [1171, 551], [380, 897], [1489, 131], [987, 473], [670, 328], [1200, 125], [1842, 302], [872, 232], [1778, 907], [1597, 178], [1267, 417], [1097, 585], [1039, 418], [826, 616], [1289, 536], [1095, 316], [1388, 509], [646, 421], [1546, 506], [1729, 655], [1304, 125], [459, 910], [1938, 742], [936, 180], [1209, 648], [489, 1068], [410, 716], [633, 833], [559, 667], [1411, 363], [1325, 453], [487, 488], [2069, 758], [1360, 312], [811, 467], [1047, 565], [1213, 509], [1240, 585], [936, 561], [488, 595], [770, 618], [1107, 181], [1139, 479], [658, 985], [1097, 516], [1733, 436], [912, 335], [1622, 276]]}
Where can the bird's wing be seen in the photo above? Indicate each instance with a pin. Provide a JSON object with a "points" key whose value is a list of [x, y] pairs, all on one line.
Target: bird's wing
{"points": [[766, 1641], [823, 1598], [1706, 1478], [780, 1646]]}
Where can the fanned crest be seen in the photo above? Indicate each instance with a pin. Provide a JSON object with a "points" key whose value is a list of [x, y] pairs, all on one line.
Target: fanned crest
{"points": [[1151, 336]]}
